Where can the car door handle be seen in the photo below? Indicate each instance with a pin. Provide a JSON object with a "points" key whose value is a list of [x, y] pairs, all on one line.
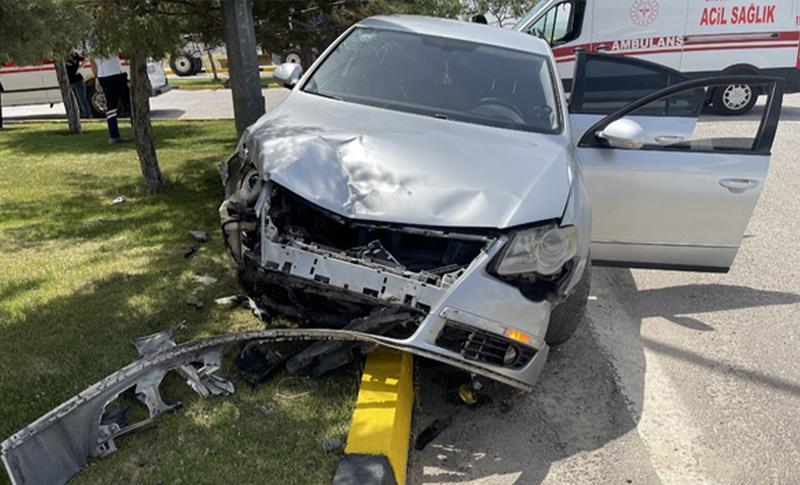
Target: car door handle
{"points": [[668, 139], [738, 186], [601, 48]]}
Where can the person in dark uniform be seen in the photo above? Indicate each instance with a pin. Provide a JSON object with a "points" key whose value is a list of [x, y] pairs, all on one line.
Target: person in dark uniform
{"points": [[113, 82], [78, 84]]}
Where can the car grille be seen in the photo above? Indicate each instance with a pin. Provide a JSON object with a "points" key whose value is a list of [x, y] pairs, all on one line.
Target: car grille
{"points": [[482, 346]]}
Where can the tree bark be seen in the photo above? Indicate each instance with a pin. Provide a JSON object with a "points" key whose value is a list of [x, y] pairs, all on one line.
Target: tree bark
{"points": [[142, 128], [70, 102], [213, 65]]}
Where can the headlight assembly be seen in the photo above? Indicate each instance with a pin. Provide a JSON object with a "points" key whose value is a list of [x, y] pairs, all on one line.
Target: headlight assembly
{"points": [[539, 251]]}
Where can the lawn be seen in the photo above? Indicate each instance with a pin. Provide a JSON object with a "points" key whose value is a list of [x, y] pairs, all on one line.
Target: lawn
{"points": [[211, 83], [80, 278]]}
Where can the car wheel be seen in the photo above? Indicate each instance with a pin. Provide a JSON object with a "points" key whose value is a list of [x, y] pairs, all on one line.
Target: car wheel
{"points": [[182, 64], [734, 99], [292, 56], [97, 101], [568, 315]]}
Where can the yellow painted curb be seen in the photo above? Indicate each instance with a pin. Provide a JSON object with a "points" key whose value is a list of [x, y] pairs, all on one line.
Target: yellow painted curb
{"points": [[269, 68], [381, 422]]}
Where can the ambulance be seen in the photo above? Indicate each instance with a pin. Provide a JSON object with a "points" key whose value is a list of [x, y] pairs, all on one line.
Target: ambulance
{"points": [[697, 37], [37, 84]]}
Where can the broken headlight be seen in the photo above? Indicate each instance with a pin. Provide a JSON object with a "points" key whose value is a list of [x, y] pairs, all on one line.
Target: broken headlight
{"points": [[540, 250]]}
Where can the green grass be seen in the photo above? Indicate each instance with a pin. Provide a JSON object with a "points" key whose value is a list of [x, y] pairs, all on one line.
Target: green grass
{"points": [[211, 83], [79, 278]]}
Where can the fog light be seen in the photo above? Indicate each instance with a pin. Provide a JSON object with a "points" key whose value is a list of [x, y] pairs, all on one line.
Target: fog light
{"points": [[511, 355]]}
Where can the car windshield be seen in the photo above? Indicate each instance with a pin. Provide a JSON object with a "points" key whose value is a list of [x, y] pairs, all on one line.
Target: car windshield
{"points": [[439, 77]]}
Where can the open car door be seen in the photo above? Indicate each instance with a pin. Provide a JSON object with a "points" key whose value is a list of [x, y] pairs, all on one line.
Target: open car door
{"points": [[605, 83], [667, 199]]}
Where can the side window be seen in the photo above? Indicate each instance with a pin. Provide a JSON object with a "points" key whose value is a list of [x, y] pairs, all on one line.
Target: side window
{"points": [[605, 83], [560, 24], [747, 134]]}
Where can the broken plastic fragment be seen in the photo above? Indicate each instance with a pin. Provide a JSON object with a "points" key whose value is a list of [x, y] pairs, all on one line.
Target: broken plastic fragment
{"points": [[195, 303], [229, 300], [191, 251], [332, 444], [198, 235], [256, 366], [205, 279]]}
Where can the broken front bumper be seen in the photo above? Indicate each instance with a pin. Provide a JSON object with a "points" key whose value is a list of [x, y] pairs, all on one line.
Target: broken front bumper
{"points": [[294, 258], [464, 319], [57, 446]]}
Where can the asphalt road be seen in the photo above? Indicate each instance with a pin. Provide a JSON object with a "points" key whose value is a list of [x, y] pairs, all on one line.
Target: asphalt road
{"points": [[179, 104], [675, 378]]}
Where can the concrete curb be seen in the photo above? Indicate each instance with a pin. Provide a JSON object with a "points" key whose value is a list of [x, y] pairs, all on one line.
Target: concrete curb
{"points": [[208, 69], [377, 445]]}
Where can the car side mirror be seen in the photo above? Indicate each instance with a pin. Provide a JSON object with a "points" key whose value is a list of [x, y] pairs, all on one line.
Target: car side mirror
{"points": [[624, 133], [288, 74]]}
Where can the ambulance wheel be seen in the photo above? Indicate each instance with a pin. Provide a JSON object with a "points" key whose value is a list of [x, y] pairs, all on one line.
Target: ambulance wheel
{"points": [[292, 56], [182, 64], [734, 99], [568, 315]]}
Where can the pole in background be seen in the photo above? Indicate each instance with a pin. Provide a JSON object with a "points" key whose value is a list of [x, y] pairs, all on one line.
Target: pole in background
{"points": [[245, 79]]}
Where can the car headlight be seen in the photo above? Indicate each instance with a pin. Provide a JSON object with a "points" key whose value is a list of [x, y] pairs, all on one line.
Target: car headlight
{"points": [[542, 250]]}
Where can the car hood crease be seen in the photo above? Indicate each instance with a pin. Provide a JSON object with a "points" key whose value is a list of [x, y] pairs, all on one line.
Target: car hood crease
{"points": [[375, 164]]}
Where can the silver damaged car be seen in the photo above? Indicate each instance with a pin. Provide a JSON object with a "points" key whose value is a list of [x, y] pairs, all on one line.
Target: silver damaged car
{"points": [[427, 181]]}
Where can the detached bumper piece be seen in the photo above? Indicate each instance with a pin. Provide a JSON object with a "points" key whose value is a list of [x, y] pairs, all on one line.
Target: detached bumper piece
{"points": [[57, 446]]}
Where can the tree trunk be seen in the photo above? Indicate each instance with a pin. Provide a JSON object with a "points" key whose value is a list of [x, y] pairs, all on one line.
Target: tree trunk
{"points": [[213, 65], [70, 102], [142, 128]]}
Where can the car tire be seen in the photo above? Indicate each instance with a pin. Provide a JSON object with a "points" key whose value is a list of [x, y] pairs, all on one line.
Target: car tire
{"points": [[568, 315], [293, 56], [97, 101], [182, 64], [734, 99]]}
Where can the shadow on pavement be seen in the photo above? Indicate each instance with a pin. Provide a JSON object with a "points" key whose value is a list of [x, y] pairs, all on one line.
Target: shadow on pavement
{"points": [[166, 114], [578, 405]]}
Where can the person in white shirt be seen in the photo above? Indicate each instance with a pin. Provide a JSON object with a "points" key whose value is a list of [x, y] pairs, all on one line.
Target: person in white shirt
{"points": [[114, 84]]}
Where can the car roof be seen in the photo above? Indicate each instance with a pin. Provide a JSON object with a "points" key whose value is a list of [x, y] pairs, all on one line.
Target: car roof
{"points": [[456, 29]]}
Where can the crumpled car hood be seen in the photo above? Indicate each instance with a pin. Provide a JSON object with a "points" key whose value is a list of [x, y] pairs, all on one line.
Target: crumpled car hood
{"points": [[375, 164]]}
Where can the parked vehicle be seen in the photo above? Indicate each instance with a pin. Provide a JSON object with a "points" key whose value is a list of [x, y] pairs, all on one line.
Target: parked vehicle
{"points": [[188, 60], [427, 181], [26, 85], [697, 37]]}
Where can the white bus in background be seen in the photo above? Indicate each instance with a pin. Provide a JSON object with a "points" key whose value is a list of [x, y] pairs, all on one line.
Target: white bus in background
{"points": [[37, 84], [696, 37]]}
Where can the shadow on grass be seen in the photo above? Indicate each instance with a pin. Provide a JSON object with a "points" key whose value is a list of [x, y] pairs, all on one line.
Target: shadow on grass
{"points": [[191, 199], [59, 346], [51, 139]]}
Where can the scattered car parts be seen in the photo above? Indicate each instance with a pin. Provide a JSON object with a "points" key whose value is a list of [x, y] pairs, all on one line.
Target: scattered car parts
{"points": [[87, 424]]}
